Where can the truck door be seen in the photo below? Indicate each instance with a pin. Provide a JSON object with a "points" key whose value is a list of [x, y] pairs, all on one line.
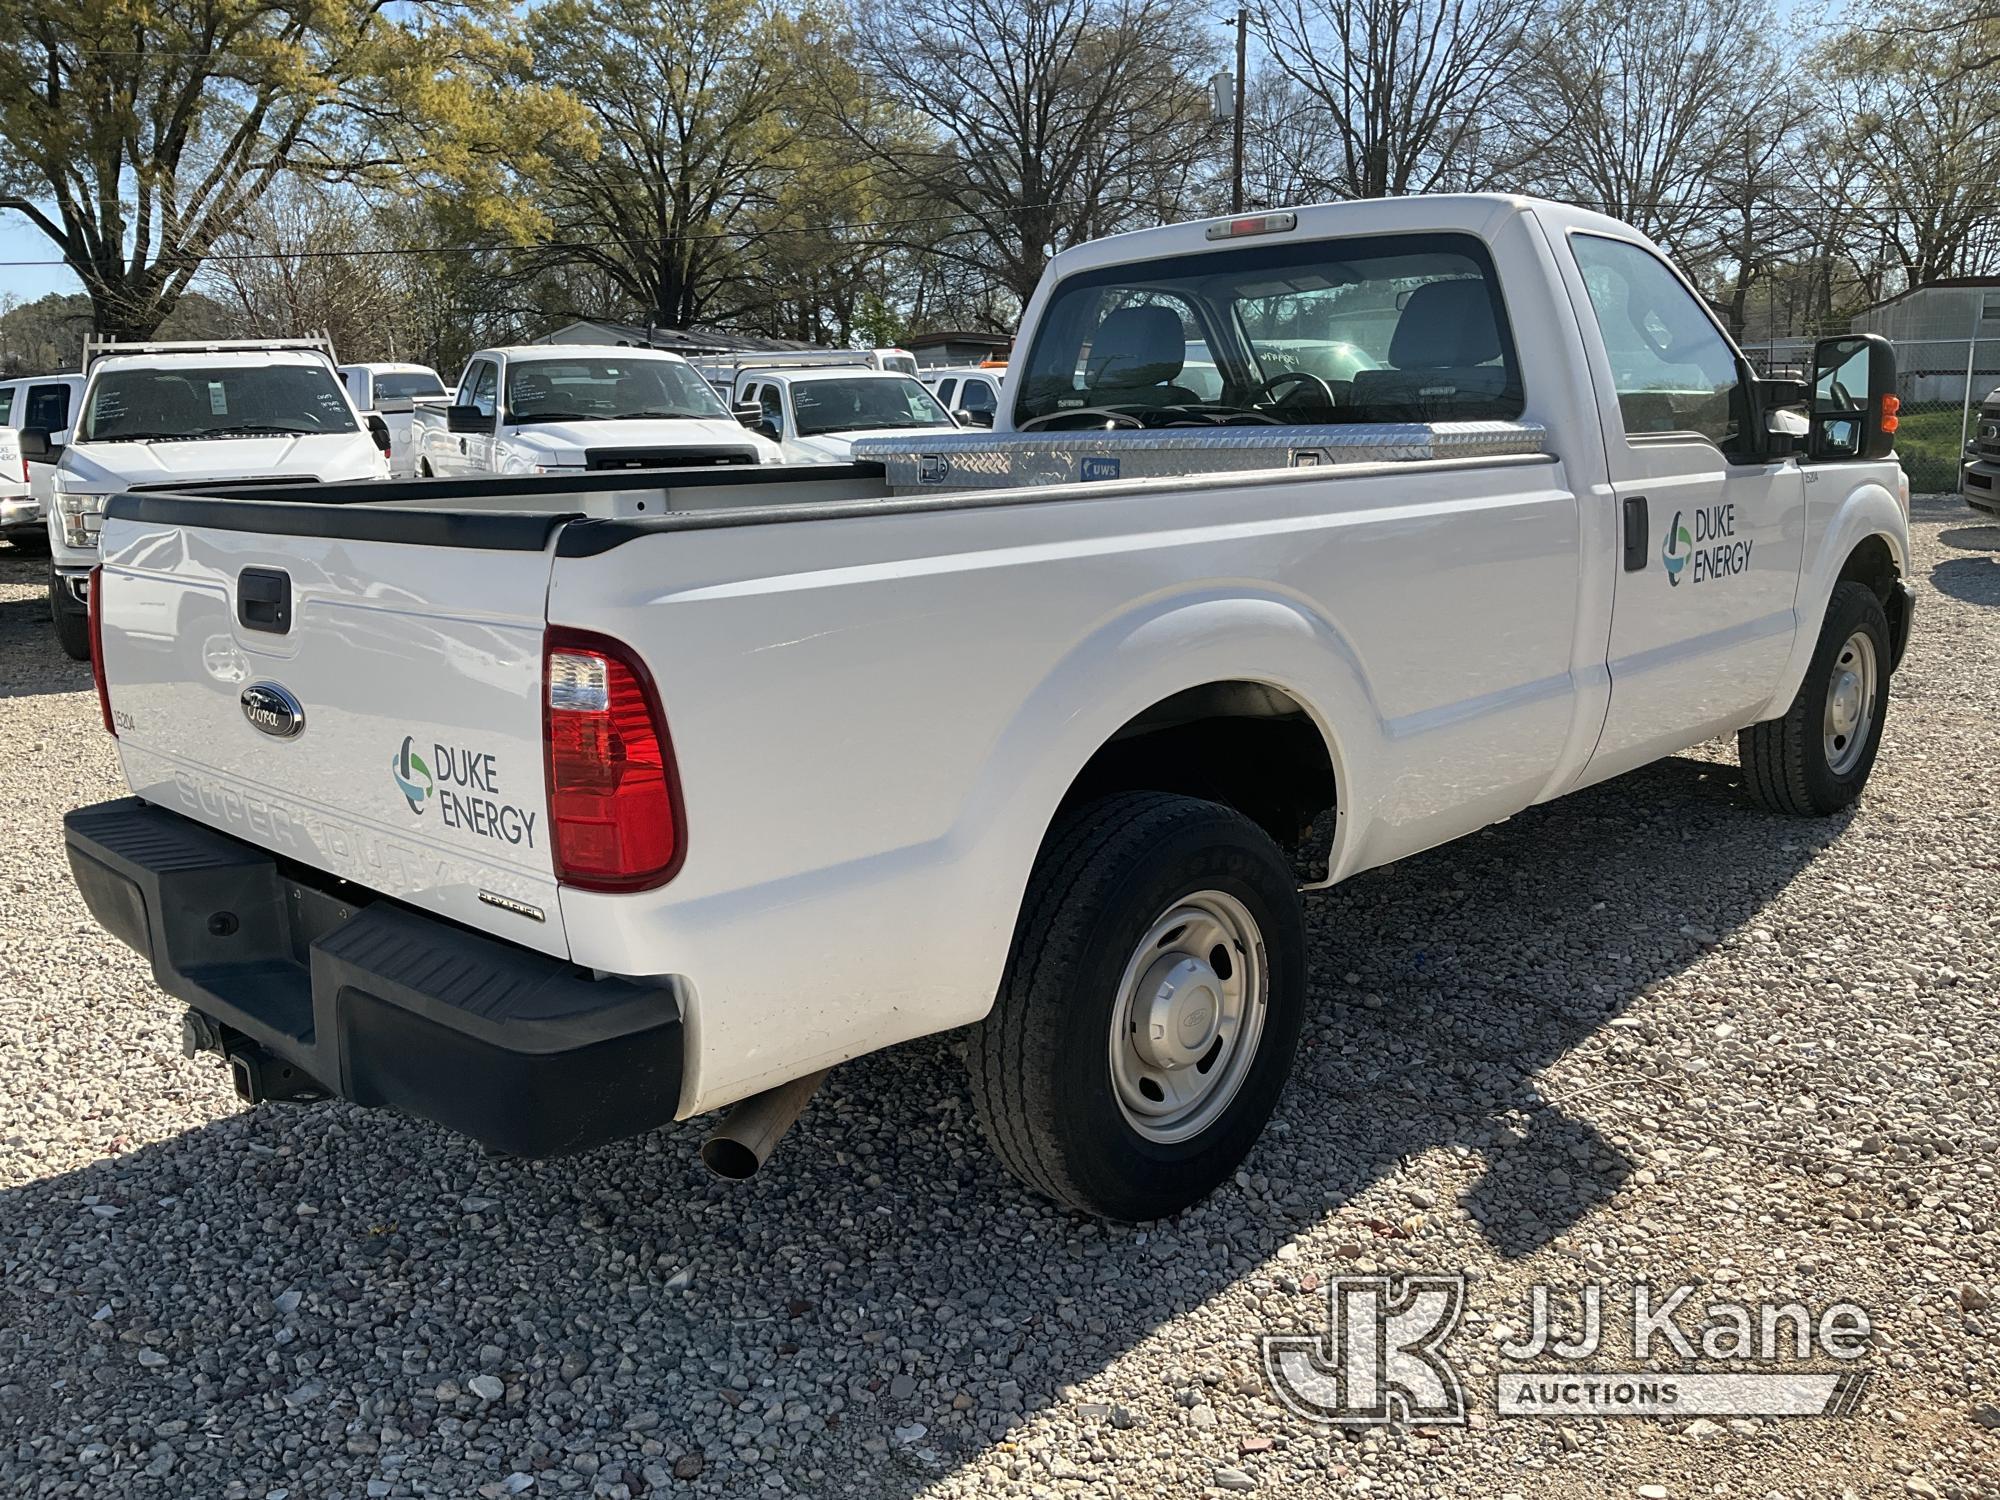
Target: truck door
{"points": [[1712, 533], [475, 449]]}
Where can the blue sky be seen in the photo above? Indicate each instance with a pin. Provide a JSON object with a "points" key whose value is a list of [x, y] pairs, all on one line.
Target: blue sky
{"points": [[20, 240]]}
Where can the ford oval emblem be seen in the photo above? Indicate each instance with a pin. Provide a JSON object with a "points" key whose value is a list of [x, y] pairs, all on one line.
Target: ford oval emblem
{"points": [[273, 711]]}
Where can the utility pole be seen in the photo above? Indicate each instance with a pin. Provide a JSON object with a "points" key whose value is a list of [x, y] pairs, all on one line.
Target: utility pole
{"points": [[1236, 151]]}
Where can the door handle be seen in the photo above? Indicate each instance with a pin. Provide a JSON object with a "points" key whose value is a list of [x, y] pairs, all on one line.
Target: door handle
{"points": [[461, 445], [1638, 534]]}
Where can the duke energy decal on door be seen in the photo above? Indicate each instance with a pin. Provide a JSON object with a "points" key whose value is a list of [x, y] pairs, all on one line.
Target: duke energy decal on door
{"points": [[1710, 550], [464, 783]]}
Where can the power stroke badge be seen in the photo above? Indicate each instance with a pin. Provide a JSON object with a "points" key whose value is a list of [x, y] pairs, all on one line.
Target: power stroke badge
{"points": [[463, 784]]}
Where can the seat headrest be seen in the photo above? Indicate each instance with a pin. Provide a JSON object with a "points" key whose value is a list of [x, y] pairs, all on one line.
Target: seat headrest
{"points": [[1446, 324], [1137, 346]]}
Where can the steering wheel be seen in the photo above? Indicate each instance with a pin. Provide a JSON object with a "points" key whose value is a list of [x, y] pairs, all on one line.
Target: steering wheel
{"points": [[1292, 377], [1113, 416]]}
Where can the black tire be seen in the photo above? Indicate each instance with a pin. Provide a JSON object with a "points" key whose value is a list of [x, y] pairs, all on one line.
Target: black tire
{"points": [[1785, 760], [72, 624], [1040, 1061]]}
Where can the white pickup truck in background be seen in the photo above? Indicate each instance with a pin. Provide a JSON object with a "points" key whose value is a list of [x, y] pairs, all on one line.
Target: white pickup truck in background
{"points": [[47, 403], [164, 415], [554, 809], [815, 416], [578, 408], [392, 392]]}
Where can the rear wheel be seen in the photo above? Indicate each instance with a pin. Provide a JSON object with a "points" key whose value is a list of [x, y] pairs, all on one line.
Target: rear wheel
{"points": [[72, 620], [1150, 1010], [1816, 759]]}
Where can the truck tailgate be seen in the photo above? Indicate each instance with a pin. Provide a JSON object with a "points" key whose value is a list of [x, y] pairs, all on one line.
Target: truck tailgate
{"points": [[368, 708]]}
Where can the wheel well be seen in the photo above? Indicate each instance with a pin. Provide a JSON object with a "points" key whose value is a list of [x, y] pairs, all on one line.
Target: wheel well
{"points": [[1244, 744], [1874, 564]]}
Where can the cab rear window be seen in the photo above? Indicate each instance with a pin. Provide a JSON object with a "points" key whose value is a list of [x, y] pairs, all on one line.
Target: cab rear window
{"points": [[1382, 328]]}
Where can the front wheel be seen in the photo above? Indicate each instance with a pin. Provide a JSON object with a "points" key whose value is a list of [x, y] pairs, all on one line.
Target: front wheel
{"points": [[1815, 760], [1151, 1007]]}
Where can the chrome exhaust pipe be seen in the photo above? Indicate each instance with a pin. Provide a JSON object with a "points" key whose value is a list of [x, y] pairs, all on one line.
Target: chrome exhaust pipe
{"points": [[744, 1140]]}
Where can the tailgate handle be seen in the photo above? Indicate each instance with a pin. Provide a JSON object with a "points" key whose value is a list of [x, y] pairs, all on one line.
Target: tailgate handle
{"points": [[264, 600]]}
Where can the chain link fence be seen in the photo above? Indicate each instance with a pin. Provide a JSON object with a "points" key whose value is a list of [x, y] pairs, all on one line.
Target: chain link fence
{"points": [[1942, 383]]}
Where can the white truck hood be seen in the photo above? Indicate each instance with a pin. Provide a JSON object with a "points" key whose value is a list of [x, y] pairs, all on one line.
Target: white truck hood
{"points": [[106, 468], [565, 442], [838, 447]]}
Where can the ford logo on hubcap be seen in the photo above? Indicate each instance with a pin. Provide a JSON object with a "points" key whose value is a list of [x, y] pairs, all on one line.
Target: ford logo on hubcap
{"points": [[273, 711]]}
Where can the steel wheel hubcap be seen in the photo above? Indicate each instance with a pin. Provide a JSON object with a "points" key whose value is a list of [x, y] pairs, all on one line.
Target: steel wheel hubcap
{"points": [[1850, 703], [1189, 1014]]}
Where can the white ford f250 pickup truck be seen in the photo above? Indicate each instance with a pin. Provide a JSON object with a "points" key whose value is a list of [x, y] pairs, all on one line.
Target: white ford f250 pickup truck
{"points": [[160, 416], [578, 408], [555, 809]]}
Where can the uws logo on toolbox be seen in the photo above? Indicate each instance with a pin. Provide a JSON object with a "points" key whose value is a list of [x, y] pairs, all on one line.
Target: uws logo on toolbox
{"points": [[1710, 550], [464, 785]]}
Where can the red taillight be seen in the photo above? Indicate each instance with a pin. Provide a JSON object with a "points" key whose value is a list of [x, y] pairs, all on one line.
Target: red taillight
{"points": [[614, 799], [96, 607]]}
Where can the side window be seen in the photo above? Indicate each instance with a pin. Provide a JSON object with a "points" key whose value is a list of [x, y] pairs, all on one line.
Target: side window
{"points": [[6, 403], [978, 397], [946, 389], [47, 407], [485, 388], [1672, 370], [774, 407]]}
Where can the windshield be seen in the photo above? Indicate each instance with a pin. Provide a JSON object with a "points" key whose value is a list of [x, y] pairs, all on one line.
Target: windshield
{"points": [[900, 364], [390, 384], [1388, 328], [607, 390], [225, 401], [856, 404]]}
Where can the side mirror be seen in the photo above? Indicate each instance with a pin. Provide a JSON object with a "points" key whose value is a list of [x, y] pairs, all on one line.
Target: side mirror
{"points": [[379, 430], [466, 419], [749, 413], [1854, 404], [36, 447], [973, 418]]}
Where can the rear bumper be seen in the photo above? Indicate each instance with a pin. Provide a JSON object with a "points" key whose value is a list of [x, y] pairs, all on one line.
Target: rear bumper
{"points": [[21, 514], [375, 1003]]}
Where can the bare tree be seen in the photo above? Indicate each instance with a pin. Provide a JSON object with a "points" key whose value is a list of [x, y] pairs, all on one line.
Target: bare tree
{"points": [[1025, 125], [1396, 96], [1640, 106]]}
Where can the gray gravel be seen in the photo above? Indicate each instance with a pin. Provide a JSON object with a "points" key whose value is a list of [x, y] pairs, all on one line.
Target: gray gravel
{"points": [[1647, 1033]]}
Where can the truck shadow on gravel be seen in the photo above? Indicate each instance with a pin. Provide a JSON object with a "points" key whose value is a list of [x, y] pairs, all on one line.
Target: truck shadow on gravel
{"points": [[31, 663], [888, 1303], [1976, 580]]}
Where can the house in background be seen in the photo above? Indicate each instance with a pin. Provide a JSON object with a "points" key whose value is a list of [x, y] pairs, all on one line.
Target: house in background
{"points": [[1935, 327], [936, 351]]}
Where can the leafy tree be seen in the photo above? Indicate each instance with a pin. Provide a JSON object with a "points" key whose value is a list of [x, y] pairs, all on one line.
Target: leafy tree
{"points": [[685, 99], [134, 133]]}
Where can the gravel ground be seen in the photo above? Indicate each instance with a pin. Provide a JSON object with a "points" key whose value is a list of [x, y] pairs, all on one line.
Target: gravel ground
{"points": [[1645, 1034]]}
